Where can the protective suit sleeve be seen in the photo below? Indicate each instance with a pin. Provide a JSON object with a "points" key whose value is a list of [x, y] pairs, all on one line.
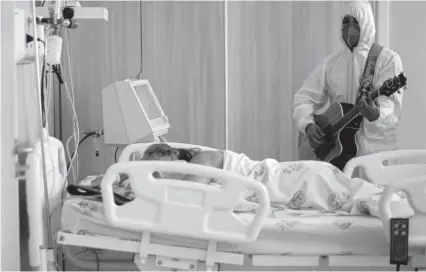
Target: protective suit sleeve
{"points": [[390, 107], [309, 98]]}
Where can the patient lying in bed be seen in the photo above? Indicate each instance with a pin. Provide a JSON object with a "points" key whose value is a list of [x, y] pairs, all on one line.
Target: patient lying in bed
{"points": [[298, 185], [293, 185]]}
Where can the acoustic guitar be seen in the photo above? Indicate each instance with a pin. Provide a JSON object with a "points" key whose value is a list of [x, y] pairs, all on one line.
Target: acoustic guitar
{"points": [[340, 122]]}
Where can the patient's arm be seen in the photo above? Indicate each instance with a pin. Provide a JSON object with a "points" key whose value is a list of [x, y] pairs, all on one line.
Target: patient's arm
{"points": [[206, 158]]}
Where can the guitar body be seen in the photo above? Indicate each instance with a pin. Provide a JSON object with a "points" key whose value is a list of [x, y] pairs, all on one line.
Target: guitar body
{"points": [[338, 149]]}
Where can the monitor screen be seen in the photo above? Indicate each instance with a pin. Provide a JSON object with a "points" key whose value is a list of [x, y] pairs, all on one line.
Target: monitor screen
{"points": [[148, 101]]}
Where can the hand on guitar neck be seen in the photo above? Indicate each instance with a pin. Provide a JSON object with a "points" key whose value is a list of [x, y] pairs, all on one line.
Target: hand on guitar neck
{"points": [[369, 108]]}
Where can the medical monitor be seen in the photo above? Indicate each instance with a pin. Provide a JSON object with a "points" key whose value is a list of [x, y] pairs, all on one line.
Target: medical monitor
{"points": [[132, 113]]}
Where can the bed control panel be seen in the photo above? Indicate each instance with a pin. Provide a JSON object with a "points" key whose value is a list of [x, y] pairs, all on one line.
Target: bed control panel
{"points": [[399, 241]]}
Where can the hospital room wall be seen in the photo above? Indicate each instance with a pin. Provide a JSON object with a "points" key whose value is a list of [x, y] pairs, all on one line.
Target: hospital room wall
{"points": [[183, 47], [406, 36]]}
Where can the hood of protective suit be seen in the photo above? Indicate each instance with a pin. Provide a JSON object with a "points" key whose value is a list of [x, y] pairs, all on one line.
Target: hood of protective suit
{"points": [[362, 12]]}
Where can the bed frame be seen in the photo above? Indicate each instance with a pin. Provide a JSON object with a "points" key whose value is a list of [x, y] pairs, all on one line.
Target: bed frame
{"points": [[168, 199]]}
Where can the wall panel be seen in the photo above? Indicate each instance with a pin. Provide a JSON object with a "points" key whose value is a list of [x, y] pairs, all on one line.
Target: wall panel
{"points": [[406, 37], [260, 92], [184, 59]]}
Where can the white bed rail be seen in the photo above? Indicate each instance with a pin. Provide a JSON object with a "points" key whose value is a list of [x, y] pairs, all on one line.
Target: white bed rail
{"points": [[399, 170], [384, 167], [415, 189], [183, 208]]}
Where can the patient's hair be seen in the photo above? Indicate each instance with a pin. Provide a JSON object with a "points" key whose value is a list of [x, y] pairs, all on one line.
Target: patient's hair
{"points": [[161, 149]]}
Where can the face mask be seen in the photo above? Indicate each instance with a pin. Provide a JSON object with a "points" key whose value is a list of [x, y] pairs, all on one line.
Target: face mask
{"points": [[350, 31], [353, 37]]}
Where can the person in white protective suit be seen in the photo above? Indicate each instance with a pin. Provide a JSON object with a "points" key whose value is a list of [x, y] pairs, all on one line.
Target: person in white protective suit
{"points": [[337, 79]]}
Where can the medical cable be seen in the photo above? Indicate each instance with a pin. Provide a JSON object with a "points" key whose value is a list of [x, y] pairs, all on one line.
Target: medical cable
{"points": [[43, 100], [73, 113], [141, 24], [69, 64], [226, 74], [69, 155], [71, 97], [88, 134], [65, 182], [42, 138], [75, 168], [76, 128], [76, 132], [115, 154], [49, 89]]}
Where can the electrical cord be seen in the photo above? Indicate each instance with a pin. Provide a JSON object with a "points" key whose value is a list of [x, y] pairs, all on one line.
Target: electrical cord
{"points": [[88, 134], [76, 130], [43, 102], [42, 84], [115, 154]]}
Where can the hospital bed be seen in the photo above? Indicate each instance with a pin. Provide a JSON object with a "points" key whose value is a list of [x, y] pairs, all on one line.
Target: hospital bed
{"points": [[175, 225]]}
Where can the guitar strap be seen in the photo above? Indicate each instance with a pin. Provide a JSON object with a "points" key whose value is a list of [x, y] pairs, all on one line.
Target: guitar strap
{"points": [[368, 75]]}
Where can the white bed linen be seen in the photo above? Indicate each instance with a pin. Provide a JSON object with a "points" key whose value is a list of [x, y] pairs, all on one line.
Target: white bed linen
{"points": [[285, 232]]}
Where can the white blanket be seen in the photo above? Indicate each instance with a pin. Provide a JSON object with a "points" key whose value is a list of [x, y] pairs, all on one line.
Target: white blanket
{"points": [[311, 185]]}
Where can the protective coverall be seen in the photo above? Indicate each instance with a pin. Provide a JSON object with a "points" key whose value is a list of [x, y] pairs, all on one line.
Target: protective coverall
{"points": [[337, 79]]}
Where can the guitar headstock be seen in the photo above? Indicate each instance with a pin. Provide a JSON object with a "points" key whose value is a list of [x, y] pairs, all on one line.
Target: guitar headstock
{"points": [[392, 85]]}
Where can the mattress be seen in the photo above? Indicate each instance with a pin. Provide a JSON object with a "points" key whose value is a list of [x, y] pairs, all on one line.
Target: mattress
{"points": [[285, 232]]}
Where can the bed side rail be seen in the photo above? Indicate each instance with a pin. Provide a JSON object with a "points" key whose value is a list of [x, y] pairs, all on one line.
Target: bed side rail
{"points": [[384, 167], [183, 208], [415, 189]]}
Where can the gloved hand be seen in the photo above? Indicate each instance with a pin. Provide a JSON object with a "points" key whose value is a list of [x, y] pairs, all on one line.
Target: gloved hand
{"points": [[369, 108], [315, 135]]}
